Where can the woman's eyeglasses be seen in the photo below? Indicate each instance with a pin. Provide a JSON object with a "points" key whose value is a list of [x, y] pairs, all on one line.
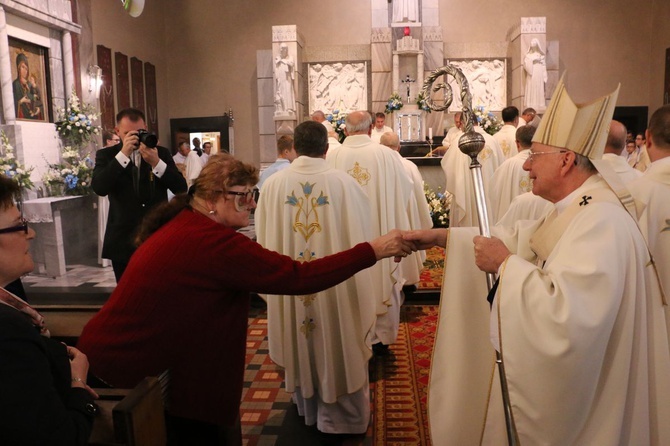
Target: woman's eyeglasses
{"points": [[248, 196], [22, 227]]}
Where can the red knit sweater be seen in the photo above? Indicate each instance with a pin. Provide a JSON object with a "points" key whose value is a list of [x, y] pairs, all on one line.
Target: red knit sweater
{"points": [[182, 304]]}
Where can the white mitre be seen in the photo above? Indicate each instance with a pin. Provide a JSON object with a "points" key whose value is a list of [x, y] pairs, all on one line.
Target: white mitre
{"points": [[583, 129]]}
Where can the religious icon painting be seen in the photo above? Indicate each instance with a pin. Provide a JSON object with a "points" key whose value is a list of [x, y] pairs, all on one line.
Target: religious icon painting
{"points": [[30, 80]]}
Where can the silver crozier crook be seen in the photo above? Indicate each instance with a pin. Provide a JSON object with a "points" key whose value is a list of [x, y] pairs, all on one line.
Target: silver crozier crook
{"points": [[471, 143]]}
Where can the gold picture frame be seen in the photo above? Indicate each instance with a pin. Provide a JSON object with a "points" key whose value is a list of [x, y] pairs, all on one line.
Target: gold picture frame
{"points": [[30, 80]]}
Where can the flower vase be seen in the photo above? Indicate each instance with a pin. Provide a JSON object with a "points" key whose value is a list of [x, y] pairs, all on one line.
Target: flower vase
{"points": [[56, 189]]}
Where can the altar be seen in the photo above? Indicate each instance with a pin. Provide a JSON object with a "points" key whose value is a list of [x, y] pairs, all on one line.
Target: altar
{"points": [[66, 232]]}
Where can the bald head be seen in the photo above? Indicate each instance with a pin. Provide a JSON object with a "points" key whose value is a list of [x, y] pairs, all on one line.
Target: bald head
{"points": [[318, 116], [358, 123], [391, 140], [616, 138]]}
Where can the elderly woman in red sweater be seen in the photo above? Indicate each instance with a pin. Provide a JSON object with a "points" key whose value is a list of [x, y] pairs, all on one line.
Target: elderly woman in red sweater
{"points": [[182, 304]]}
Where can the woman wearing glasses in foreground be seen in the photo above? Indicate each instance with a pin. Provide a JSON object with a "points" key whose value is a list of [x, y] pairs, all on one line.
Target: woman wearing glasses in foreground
{"points": [[182, 304], [43, 394]]}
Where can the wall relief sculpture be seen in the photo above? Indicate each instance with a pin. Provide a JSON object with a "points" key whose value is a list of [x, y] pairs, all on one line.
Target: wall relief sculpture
{"points": [[488, 83], [339, 86]]}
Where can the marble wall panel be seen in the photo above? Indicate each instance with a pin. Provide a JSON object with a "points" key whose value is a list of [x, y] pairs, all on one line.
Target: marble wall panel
{"points": [[380, 17], [268, 149], [550, 86], [336, 53], [472, 50], [381, 87], [57, 81], [378, 107], [430, 16], [382, 57], [517, 75], [60, 9], [266, 124], [358, 52], [552, 55], [383, 34], [265, 92], [433, 55], [264, 63], [55, 44]]}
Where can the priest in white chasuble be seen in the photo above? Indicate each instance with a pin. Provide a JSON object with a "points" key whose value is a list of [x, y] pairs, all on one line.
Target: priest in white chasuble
{"points": [[419, 212], [383, 179], [578, 316], [310, 210], [510, 179], [653, 189], [456, 167]]}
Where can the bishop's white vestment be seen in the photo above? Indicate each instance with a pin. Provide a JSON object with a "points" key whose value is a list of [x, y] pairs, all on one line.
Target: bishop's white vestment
{"points": [[379, 172], [506, 139], [306, 211], [456, 166], [580, 325]]}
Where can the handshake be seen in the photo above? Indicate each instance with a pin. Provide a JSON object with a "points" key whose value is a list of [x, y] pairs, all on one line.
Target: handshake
{"points": [[399, 244]]}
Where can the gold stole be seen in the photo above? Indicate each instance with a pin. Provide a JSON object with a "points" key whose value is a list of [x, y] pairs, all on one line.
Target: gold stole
{"points": [[552, 229]]}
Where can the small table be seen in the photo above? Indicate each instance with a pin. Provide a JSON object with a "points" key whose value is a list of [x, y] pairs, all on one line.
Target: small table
{"points": [[47, 216]]}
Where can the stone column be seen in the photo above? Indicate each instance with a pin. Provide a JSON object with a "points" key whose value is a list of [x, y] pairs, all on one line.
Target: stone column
{"points": [[68, 64], [396, 73], [382, 64], [287, 46], [6, 73], [433, 53]]}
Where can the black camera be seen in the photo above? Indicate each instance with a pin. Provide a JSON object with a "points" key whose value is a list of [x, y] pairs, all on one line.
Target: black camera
{"points": [[147, 138]]}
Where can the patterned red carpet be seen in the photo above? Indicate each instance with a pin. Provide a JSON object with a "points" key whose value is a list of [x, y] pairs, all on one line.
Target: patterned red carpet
{"points": [[398, 384], [433, 270]]}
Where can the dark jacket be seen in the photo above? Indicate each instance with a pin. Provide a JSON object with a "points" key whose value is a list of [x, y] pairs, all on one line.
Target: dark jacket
{"points": [[130, 198], [38, 406]]}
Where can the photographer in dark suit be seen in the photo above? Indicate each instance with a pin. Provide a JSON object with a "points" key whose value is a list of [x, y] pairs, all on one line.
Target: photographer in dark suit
{"points": [[136, 177]]}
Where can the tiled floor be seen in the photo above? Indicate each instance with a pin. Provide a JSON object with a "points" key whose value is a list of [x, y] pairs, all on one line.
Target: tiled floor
{"points": [[81, 285]]}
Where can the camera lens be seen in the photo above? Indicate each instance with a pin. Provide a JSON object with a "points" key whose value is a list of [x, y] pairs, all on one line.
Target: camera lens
{"points": [[147, 138]]}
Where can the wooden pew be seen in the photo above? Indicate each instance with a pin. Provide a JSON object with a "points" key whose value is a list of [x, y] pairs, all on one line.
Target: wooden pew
{"points": [[134, 417]]}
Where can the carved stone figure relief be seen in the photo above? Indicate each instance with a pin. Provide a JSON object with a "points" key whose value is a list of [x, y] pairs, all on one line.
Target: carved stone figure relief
{"points": [[488, 83], [338, 86]]}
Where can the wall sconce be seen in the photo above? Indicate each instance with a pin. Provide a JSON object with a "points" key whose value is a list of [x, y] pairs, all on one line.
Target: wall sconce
{"points": [[94, 80]]}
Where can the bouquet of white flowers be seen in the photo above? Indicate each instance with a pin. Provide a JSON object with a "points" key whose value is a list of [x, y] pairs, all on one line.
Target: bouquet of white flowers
{"points": [[75, 123], [336, 119], [487, 120], [10, 166], [421, 102], [438, 204], [394, 103], [72, 176]]}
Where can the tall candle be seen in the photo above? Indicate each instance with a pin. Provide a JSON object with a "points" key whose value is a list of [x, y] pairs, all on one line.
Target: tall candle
{"points": [[430, 133]]}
